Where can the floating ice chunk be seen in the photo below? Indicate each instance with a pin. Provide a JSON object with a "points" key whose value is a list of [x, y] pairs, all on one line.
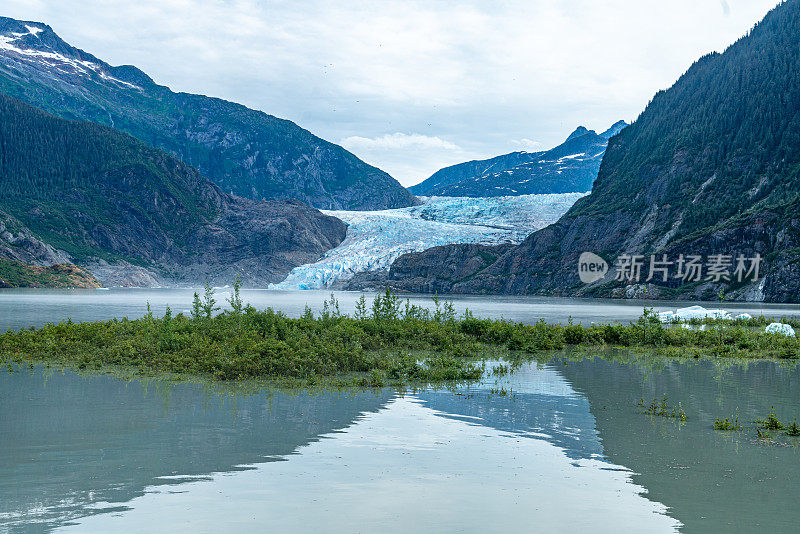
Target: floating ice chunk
{"points": [[781, 329], [666, 316], [699, 312], [692, 312]]}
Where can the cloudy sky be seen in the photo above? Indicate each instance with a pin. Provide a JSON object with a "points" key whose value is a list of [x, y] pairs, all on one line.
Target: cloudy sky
{"points": [[412, 86]]}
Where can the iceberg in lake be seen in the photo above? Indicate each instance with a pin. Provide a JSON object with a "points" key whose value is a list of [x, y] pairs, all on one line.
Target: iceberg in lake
{"points": [[692, 312], [376, 238], [781, 329]]}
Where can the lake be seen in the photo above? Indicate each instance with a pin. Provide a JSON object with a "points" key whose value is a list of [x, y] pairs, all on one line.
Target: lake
{"points": [[565, 450], [21, 308], [556, 446]]}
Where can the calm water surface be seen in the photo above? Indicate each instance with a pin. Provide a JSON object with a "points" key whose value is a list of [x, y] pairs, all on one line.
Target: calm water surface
{"points": [[21, 308], [565, 451]]}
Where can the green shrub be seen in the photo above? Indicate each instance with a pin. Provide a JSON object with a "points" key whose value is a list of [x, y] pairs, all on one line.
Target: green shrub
{"points": [[247, 343]]}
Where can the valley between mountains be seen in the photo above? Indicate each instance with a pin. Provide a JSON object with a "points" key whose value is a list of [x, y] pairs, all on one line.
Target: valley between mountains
{"points": [[110, 179]]}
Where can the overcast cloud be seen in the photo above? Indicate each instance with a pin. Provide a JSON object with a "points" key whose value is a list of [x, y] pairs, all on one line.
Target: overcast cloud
{"points": [[412, 86]]}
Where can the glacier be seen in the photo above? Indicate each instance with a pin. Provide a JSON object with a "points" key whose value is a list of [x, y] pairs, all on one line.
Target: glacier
{"points": [[376, 238]]}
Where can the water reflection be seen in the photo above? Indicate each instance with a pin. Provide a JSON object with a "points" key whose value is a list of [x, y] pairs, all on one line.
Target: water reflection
{"points": [[406, 468], [564, 449], [69, 443], [535, 402], [712, 481]]}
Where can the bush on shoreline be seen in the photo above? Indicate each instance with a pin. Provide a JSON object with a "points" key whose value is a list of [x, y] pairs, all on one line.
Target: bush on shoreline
{"points": [[387, 340]]}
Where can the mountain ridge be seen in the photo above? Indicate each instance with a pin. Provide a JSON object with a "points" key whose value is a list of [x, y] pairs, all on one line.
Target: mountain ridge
{"points": [[570, 167], [247, 152], [76, 192]]}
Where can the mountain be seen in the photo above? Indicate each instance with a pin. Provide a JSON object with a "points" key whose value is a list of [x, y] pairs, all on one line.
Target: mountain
{"points": [[246, 152], [80, 193], [710, 167], [571, 167]]}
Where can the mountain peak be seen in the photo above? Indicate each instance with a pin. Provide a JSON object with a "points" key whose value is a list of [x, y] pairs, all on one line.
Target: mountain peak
{"points": [[570, 167], [9, 25], [614, 129], [27, 37], [683, 149], [579, 131], [35, 42]]}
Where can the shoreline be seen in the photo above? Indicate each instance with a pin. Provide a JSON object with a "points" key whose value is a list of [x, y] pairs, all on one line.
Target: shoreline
{"points": [[386, 342]]}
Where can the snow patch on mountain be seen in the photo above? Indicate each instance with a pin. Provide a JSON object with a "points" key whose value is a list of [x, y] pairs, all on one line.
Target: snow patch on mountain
{"points": [[55, 60], [376, 238]]}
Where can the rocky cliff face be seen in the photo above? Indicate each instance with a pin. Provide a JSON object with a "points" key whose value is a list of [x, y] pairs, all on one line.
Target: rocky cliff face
{"points": [[711, 167], [447, 269], [246, 152], [133, 215], [570, 167]]}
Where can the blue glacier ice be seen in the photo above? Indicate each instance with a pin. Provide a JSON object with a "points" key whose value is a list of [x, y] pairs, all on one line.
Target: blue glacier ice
{"points": [[376, 238]]}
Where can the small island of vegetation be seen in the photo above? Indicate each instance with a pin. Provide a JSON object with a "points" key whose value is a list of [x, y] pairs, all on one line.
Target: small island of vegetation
{"points": [[389, 340]]}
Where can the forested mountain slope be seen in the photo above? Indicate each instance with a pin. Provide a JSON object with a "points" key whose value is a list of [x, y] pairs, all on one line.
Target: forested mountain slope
{"points": [[246, 152], [709, 168], [76, 192]]}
